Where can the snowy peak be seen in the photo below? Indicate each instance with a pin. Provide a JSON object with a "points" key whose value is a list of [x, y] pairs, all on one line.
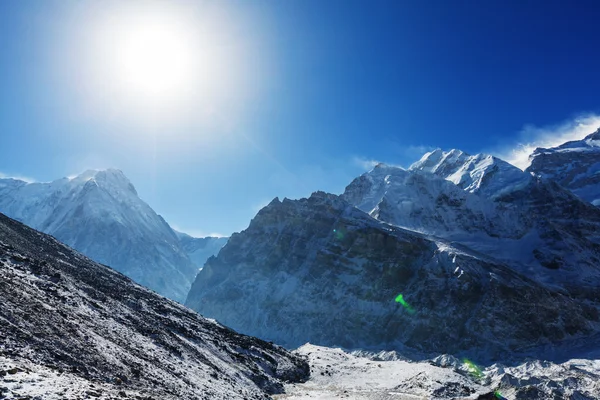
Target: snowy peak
{"points": [[481, 173], [112, 179], [575, 165], [100, 214], [427, 203], [437, 160], [590, 143]]}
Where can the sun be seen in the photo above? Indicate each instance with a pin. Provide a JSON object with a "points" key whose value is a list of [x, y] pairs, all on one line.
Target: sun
{"points": [[163, 63], [146, 55], [154, 57]]}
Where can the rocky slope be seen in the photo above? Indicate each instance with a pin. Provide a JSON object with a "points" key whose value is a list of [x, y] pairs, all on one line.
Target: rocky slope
{"points": [[100, 214], [574, 165], [321, 270], [79, 329]]}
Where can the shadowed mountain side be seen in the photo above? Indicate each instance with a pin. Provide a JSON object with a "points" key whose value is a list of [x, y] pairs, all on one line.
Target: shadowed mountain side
{"points": [[322, 271]]}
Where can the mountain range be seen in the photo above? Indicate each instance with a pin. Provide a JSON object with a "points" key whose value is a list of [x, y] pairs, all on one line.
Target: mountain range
{"points": [[458, 254], [456, 236]]}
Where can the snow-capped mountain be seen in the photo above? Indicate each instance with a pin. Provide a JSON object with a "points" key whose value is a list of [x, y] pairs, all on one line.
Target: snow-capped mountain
{"points": [[323, 271], [72, 329], [429, 204], [535, 228], [200, 249], [483, 174], [100, 214], [574, 165]]}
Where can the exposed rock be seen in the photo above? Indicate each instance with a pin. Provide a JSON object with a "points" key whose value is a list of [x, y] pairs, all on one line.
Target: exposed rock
{"points": [[320, 270]]}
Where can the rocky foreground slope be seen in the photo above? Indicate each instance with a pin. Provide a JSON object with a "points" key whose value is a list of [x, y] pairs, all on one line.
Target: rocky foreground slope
{"points": [[65, 318]]}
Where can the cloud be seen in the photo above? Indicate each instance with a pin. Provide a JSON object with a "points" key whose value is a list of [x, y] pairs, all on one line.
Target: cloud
{"points": [[532, 137], [368, 164], [18, 177], [404, 155], [365, 163], [196, 232]]}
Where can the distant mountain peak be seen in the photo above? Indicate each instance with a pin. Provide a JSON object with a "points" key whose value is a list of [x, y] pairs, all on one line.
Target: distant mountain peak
{"points": [[106, 178], [99, 213], [480, 173]]}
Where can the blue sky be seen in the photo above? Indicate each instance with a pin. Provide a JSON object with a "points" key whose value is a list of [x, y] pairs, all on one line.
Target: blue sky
{"points": [[302, 96]]}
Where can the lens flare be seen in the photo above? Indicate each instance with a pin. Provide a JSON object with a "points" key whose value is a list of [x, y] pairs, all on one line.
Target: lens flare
{"points": [[499, 396], [407, 307], [474, 370]]}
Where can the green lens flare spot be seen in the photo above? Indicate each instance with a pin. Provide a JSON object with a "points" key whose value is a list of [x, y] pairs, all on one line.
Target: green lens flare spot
{"points": [[474, 370], [407, 307]]}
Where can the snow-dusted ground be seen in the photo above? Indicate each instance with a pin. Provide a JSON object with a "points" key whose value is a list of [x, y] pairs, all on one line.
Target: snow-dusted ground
{"points": [[23, 379], [336, 374]]}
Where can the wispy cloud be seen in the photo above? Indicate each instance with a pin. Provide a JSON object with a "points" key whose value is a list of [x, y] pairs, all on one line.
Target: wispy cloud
{"points": [[532, 137], [195, 232], [365, 163], [19, 177], [405, 156], [368, 164]]}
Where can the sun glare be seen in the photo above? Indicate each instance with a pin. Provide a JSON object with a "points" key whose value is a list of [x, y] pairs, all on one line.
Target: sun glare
{"points": [[155, 58], [168, 63], [150, 54], [155, 61]]}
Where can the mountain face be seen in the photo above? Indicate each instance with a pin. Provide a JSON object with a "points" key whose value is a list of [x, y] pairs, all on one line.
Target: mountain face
{"points": [[101, 335], [100, 214], [323, 271], [574, 165]]}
